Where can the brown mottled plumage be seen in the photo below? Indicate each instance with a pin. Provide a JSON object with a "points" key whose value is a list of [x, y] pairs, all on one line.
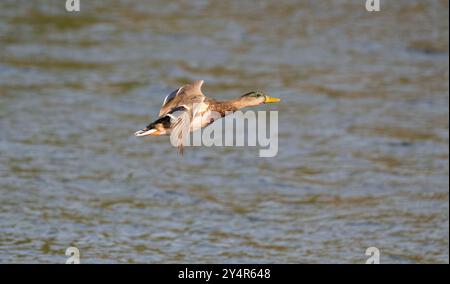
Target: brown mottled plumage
{"points": [[187, 109]]}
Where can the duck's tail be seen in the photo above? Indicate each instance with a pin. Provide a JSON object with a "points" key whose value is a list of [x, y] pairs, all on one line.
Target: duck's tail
{"points": [[155, 128], [146, 132]]}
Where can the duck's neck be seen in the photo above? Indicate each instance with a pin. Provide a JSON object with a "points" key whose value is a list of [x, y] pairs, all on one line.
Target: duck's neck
{"points": [[227, 106]]}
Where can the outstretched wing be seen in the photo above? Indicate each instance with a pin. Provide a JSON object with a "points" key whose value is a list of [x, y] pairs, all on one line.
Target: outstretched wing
{"points": [[185, 120], [186, 95], [180, 130], [170, 97]]}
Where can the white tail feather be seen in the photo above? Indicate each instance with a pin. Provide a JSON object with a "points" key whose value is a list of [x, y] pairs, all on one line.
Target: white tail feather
{"points": [[144, 132]]}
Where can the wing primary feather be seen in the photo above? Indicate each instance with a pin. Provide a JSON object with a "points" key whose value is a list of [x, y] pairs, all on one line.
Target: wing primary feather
{"points": [[170, 96]]}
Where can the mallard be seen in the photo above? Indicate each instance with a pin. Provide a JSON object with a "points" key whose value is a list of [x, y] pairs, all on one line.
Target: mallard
{"points": [[187, 108]]}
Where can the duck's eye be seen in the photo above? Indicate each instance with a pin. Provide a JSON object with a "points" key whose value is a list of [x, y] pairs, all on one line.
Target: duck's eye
{"points": [[258, 95]]}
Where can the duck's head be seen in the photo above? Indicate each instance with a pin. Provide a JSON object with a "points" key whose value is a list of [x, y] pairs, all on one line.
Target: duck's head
{"points": [[256, 98]]}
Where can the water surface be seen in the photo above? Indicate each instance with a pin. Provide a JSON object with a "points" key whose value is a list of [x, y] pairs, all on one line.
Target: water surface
{"points": [[363, 132]]}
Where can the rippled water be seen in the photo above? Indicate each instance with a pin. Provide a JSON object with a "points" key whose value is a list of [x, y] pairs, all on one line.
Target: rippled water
{"points": [[363, 141]]}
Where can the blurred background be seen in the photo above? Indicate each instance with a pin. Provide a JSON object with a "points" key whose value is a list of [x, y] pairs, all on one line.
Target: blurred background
{"points": [[363, 132]]}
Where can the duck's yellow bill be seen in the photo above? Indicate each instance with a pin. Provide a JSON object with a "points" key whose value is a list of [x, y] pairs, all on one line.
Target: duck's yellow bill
{"points": [[271, 100]]}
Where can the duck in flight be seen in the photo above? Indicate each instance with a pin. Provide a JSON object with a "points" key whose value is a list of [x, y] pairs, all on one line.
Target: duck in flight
{"points": [[188, 109]]}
